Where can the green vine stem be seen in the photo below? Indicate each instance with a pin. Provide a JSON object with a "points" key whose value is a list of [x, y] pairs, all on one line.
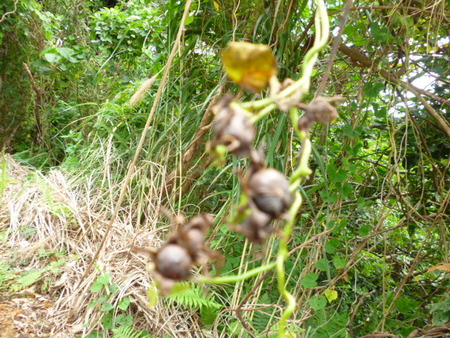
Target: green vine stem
{"points": [[265, 106], [236, 278]]}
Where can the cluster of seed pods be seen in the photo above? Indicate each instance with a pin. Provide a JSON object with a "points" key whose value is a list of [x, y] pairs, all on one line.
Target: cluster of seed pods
{"points": [[185, 248], [267, 189]]}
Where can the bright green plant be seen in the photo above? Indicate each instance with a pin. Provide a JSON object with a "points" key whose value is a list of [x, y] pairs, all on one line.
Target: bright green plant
{"points": [[105, 299], [192, 296], [43, 275]]}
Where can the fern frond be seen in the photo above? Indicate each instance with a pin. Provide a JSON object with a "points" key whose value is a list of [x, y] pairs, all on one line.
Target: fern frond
{"points": [[126, 331], [193, 298]]}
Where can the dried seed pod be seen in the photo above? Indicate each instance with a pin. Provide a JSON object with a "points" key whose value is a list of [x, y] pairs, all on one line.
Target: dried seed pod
{"points": [[319, 110], [232, 127], [173, 261], [269, 190], [257, 227], [195, 234], [202, 222]]}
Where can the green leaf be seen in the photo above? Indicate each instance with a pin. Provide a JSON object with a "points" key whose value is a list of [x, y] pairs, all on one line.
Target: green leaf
{"points": [[152, 295], [406, 306], [364, 230], [66, 52], [125, 320], [329, 248], [29, 277], [361, 202], [441, 312], [322, 264], [107, 307], [347, 130], [328, 196], [339, 262], [318, 303], [113, 288], [339, 176], [104, 279], [346, 189], [189, 20], [331, 245], [124, 303], [310, 280], [107, 321], [96, 287], [373, 89], [52, 58], [209, 314], [180, 288]]}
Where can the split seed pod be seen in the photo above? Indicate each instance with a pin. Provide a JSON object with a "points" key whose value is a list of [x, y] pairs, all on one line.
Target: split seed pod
{"points": [[232, 127], [195, 234], [257, 227], [269, 190], [319, 110]]}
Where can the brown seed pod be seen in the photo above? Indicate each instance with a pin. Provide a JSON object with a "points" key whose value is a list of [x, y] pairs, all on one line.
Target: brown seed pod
{"points": [[257, 227], [195, 234], [173, 261], [269, 190], [185, 248], [319, 110], [232, 127]]}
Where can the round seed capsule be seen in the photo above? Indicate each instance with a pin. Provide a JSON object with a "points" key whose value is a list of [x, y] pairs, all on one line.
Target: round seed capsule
{"points": [[174, 262], [196, 241], [269, 189]]}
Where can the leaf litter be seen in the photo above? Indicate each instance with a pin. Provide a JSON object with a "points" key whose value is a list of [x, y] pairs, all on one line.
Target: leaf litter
{"points": [[46, 218]]}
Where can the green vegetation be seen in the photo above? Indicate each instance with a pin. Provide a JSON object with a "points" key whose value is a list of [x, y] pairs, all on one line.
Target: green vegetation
{"points": [[105, 113]]}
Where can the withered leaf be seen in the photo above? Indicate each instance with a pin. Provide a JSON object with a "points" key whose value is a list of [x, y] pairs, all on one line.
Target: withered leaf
{"points": [[249, 65]]}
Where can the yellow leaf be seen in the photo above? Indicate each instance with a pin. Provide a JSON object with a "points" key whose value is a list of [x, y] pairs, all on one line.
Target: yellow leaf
{"points": [[441, 266], [249, 65], [331, 295], [152, 295]]}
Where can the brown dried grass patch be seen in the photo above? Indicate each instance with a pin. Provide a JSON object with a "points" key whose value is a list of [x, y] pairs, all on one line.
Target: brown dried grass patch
{"points": [[62, 212]]}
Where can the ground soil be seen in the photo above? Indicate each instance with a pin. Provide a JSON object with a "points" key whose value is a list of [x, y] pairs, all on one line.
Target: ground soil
{"points": [[8, 329], [23, 315]]}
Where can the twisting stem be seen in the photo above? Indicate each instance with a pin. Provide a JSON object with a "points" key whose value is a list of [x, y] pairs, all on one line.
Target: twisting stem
{"points": [[236, 278], [266, 106], [302, 171], [264, 112]]}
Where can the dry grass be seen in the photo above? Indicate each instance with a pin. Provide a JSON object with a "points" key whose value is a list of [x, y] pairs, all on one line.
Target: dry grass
{"points": [[68, 214]]}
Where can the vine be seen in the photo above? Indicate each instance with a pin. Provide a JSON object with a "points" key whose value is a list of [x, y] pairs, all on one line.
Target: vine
{"points": [[267, 195]]}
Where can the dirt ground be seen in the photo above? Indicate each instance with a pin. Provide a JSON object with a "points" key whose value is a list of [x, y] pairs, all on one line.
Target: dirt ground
{"points": [[21, 315], [8, 329]]}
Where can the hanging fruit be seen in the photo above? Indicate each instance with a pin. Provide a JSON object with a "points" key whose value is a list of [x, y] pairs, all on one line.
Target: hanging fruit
{"points": [[232, 127]]}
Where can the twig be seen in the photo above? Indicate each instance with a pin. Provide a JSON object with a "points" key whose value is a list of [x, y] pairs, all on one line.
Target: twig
{"points": [[132, 165], [355, 311], [37, 105], [239, 308], [336, 43], [380, 334], [309, 241], [9, 13]]}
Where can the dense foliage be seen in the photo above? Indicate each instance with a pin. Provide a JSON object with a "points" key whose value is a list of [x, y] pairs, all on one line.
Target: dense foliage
{"points": [[380, 172]]}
